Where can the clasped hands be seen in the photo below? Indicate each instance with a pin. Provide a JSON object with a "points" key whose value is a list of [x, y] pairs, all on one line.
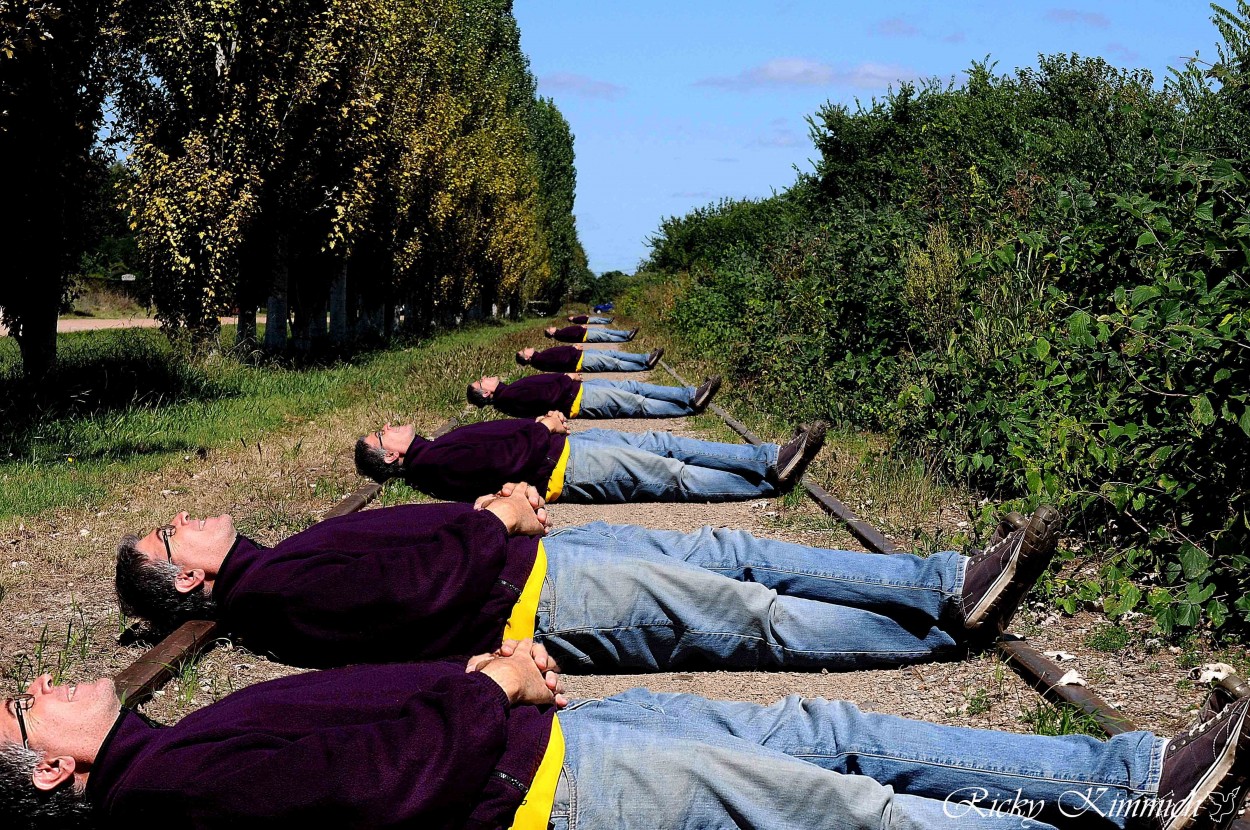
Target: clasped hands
{"points": [[525, 672], [520, 507]]}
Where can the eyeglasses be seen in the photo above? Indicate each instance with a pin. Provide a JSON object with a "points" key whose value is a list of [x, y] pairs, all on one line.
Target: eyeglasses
{"points": [[379, 436], [22, 704], [163, 533]]}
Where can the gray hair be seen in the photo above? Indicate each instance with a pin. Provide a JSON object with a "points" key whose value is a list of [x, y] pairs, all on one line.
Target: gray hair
{"points": [[371, 462], [23, 806], [146, 589], [476, 396]]}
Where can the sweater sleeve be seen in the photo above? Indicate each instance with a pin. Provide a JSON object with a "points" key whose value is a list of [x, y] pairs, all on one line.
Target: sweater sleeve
{"points": [[464, 466], [424, 768], [398, 590]]}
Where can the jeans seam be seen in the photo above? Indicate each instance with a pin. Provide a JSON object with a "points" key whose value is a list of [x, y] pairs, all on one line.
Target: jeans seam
{"points": [[732, 634], [1012, 773], [831, 577]]}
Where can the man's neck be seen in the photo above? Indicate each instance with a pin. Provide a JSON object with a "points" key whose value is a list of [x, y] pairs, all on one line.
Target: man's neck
{"points": [[210, 563]]}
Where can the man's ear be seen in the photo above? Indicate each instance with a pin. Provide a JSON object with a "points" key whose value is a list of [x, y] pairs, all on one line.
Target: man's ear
{"points": [[392, 456], [188, 581], [50, 773]]}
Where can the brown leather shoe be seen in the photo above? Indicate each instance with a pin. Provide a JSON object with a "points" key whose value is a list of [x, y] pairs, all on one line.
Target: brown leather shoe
{"points": [[653, 359], [997, 579]]}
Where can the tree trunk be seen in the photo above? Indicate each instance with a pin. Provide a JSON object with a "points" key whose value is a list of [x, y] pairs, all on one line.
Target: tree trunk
{"points": [[245, 337], [317, 322], [277, 308], [276, 312], [301, 337], [338, 308], [37, 343]]}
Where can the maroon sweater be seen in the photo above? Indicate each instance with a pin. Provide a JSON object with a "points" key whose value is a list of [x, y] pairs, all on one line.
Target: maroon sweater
{"points": [[413, 582], [476, 459], [369, 747], [571, 334], [557, 359], [535, 395]]}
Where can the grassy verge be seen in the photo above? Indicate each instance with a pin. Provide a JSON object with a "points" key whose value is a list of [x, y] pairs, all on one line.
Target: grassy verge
{"points": [[126, 402]]}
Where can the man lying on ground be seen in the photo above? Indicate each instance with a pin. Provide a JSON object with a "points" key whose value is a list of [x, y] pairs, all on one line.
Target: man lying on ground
{"points": [[597, 466], [428, 581], [494, 742], [584, 319], [579, 359], [581, 334], [534, 395]]}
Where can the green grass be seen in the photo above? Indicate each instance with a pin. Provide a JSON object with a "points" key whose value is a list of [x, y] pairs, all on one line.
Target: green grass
{"points": [[127, 402], [1109, 638], [1051, 719]]}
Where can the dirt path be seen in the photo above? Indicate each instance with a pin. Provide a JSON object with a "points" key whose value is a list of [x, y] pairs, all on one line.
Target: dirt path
{"points": [[72, 324]]}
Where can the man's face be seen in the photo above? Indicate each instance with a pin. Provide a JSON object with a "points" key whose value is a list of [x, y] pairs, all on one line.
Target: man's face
{"points": [[193, 540], [63, 720], [526, 353], [550, 331], [488, 385], [393, 439]]}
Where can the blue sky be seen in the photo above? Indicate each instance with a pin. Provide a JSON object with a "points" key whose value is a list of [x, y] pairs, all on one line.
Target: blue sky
{"points": [[677, 104]]}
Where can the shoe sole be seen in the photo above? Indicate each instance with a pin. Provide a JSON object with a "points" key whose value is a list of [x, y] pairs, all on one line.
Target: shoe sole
{"points": [[699, 407], [807, 451], [783, 476], [1039, 534], [1211, 783]]}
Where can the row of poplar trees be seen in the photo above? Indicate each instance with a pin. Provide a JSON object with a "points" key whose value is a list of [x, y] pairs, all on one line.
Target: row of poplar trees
{"points": [[315, 158]]}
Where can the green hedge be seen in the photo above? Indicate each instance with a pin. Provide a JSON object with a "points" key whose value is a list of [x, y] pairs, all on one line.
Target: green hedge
{"points": [[1037, 280]]}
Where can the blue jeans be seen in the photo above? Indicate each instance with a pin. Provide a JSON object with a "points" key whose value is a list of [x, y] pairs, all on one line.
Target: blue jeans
{"points": [[617, 467], [626, 597], [599, 360], [599, 321], [631, 399], [606, 335], [642, 760]]}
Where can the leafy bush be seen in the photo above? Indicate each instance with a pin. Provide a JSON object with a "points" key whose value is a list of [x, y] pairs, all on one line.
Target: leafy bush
{"points": [[1038, 281]]}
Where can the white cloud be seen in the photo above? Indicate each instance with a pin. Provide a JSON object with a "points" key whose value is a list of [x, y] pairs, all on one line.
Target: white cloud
{"points": [[955, 37], [1122, 52], [1095, 19], [896, 27], [580, 85], [802, 72], [779, 137]]}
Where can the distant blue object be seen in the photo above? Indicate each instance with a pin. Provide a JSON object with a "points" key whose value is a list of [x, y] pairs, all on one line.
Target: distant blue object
{"points": [[604, 307]]}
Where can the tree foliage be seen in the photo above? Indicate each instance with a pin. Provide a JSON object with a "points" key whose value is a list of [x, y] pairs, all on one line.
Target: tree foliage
{"points": [[1036, 279], [379, 159]]}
